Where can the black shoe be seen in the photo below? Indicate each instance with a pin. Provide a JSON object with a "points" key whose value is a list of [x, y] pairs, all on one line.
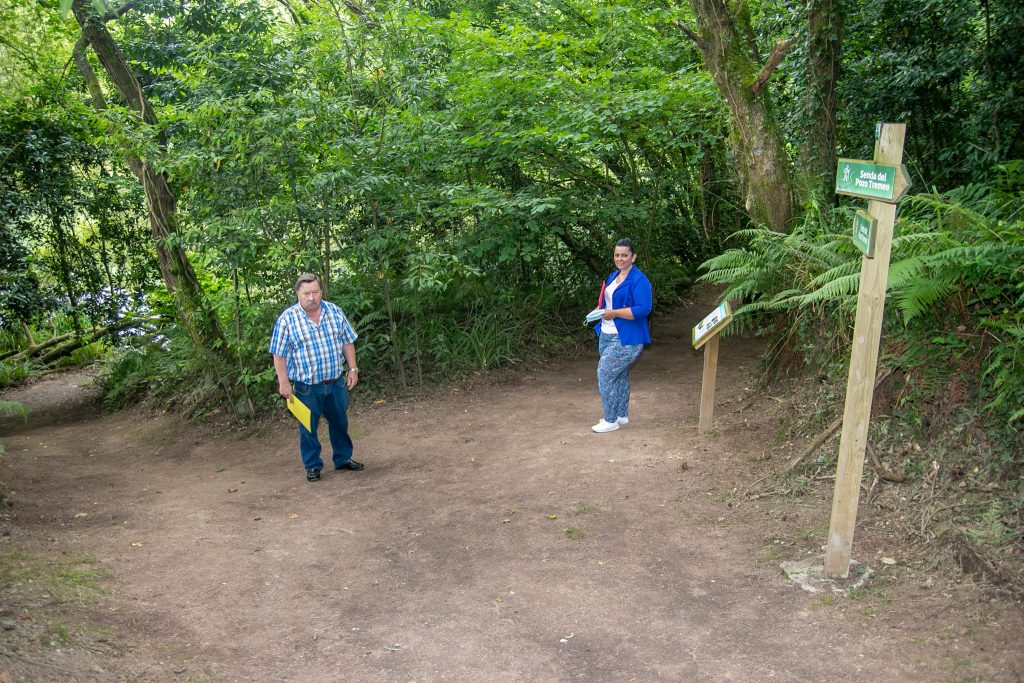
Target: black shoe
{"points": [[313, 475], [350, 465]]}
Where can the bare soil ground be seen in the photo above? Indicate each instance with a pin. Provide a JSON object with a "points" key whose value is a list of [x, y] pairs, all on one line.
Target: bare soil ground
{"points": [[491, 537]]}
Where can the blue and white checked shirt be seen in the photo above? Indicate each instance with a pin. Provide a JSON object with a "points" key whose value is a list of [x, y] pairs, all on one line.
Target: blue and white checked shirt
{"points": [[312, 352]]}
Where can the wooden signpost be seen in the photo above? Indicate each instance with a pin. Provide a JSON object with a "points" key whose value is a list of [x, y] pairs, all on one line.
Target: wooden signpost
{"points": [[706, 334], [883, 181]]}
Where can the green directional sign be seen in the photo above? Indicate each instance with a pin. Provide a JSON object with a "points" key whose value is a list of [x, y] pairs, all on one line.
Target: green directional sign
{"points": [[864, 232], [866, 179]]}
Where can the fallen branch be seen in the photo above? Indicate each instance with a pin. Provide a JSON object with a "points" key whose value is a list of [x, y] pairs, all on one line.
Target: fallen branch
{"points": [[821, 438], [33, 349], [880, 469], [76, 344], [765, 494], [871, 491], [67, 343], [831, 429]]}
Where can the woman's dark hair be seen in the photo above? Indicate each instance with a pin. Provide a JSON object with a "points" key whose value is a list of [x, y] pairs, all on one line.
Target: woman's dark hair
{"points": [[626, 242]]}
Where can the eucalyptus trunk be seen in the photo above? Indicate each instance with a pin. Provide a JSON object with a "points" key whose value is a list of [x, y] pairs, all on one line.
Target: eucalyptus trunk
{"points": [[724, 36]]}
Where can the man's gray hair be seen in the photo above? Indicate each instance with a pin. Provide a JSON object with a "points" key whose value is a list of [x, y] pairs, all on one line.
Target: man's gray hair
{"points": [[304, 278]]}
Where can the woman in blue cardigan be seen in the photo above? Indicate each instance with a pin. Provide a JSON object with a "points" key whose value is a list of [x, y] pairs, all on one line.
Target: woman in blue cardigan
{"points": [[622, 334]]}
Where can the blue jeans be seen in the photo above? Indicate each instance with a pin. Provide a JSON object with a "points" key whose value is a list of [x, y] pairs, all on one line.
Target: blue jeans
{"points": [[329, 399], [613, 374]]}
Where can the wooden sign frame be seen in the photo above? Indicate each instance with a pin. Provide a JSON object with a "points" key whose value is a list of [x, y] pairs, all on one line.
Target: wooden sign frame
{"points": [[711, 325], [705, 334]]}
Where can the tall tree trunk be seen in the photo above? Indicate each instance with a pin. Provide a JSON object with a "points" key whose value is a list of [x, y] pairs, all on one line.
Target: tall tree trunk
{"points": [[190, 301], [724, 36], [824, 36]]}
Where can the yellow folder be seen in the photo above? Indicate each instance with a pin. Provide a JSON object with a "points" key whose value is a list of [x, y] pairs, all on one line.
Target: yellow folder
{"points": [[300, 411]]}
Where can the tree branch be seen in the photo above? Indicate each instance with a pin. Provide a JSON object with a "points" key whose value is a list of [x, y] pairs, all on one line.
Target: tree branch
{"points": [[690, 34], [121, 11], [92, 83], [291, 11], [778, 52]]}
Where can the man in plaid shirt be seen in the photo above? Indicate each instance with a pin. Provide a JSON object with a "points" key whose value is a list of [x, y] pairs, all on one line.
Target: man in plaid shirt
{"points": [[310, 342]]}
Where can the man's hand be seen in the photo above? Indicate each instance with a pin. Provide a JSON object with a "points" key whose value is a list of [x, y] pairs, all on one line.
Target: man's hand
{"points": [[352, 379], [284, 385], [284, 388]]}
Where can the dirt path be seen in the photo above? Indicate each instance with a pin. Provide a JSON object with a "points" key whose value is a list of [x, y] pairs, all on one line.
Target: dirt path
{"points": [[492, 537]]}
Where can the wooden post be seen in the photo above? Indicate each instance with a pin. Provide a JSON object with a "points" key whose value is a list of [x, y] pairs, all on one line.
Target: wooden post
{"points": [[874, 275], [707, 391], [705, 334]]}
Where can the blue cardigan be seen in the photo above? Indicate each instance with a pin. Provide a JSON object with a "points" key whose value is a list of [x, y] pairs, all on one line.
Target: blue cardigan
{"points": [[635, 293]]}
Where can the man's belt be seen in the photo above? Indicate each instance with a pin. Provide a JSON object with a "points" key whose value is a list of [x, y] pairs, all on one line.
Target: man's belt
{"points": [[314, 384]]}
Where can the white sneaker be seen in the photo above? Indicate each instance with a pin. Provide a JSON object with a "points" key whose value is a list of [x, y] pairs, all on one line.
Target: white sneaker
{"points": [[623, 420], [604, 426]]}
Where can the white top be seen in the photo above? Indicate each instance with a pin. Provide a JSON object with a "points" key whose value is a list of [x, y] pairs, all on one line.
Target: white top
{"points": [[608, 326]]}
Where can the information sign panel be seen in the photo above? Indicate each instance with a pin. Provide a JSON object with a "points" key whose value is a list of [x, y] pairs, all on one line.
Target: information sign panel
{"points": [[710, 326]]}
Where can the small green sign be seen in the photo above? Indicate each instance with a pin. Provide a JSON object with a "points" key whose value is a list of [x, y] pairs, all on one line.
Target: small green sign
{"points": [[866, 179], [864, 232]]}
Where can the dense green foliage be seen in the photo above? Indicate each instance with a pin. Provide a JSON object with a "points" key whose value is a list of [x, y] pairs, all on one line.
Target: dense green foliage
{"points": [[956, 279], [458, 179], [954, 333], [458, 172]]}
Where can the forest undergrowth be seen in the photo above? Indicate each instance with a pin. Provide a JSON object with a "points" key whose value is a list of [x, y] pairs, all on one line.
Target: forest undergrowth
{"points": [[945, 454]]}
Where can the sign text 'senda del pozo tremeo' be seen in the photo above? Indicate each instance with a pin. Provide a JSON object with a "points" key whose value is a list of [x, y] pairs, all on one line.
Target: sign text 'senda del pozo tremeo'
{"points": [[866, 179]]}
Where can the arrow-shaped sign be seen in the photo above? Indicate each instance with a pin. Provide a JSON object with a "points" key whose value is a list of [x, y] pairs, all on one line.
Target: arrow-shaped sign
{"points": [[903, 182], [868, 180]]}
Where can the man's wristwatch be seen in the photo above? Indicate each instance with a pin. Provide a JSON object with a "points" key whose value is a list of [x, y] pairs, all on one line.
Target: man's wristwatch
{"points": [[355, 370]]}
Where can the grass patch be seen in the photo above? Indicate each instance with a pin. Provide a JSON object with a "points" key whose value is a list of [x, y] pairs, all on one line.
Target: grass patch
{"points": [[873, 594], [823, 601], [774, 553], [960, 669], [585, 509], [56, 634], [574, 534], [730, 498], [71, 579], [815, 533], [257, 433]]}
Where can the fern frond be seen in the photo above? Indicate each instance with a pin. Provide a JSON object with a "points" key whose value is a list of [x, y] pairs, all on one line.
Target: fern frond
{"points": [[752, 234], [834, 291], [913, 241], [741, 291], [842, 270], [821, 253], [905, 270], [722, 275], [779, 302], [731, 258], [917, 296]]}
